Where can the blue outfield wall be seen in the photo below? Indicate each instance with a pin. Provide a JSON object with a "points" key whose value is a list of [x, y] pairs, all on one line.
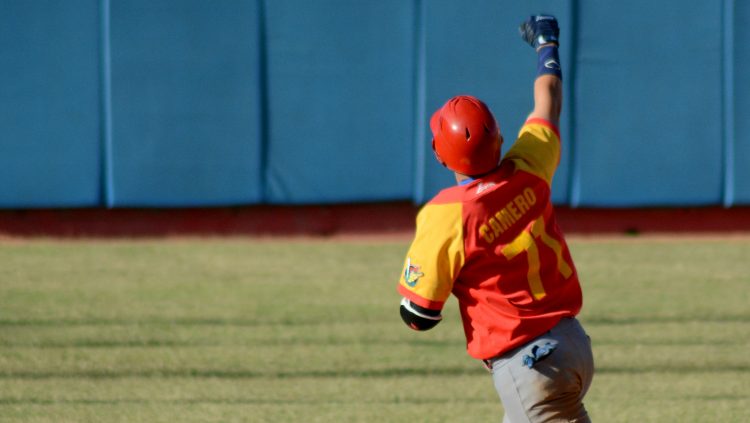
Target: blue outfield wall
{"points": [[185, 103], [738, 104], [49, 104], [160, 103], [649, 105], [340, 100]]}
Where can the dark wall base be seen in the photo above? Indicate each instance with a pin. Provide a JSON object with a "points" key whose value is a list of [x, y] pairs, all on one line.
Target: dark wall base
{"points": [[367, 219]]}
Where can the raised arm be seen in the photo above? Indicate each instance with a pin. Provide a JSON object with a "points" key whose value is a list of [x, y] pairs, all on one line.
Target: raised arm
{"points": [[542, 32]]}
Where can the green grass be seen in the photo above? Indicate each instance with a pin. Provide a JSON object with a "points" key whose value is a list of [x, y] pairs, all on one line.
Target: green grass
{"points": [[279, 331]]}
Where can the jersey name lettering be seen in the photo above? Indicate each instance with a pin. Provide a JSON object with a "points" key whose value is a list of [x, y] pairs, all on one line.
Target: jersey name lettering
{"points": [[511, 213]]}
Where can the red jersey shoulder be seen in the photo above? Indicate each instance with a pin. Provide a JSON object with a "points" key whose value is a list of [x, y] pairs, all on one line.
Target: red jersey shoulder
{"points": [[449, 195]]}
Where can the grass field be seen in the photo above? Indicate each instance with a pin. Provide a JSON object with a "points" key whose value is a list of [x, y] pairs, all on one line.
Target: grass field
{"points": [[308, 331]]}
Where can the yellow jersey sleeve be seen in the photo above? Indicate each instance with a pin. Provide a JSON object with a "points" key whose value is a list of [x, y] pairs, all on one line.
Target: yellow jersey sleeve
{"points": [[537, 149], [435, 257]]}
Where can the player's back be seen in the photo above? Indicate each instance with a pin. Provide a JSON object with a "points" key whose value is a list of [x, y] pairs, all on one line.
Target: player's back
{"points": [[494, 243], [518, 278]]}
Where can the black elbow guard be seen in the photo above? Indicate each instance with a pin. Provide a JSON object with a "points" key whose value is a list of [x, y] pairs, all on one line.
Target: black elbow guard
{"points": [[417, 317]]}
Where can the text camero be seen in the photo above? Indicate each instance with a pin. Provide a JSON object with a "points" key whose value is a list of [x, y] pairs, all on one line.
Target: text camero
{"points": [[508, 215]]}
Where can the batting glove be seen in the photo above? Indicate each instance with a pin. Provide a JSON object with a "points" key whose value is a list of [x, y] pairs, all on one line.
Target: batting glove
{"points": [[539, 30]]}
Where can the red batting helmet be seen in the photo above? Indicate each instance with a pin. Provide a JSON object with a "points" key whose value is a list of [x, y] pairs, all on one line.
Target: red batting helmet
{"points": [[466, 138]]}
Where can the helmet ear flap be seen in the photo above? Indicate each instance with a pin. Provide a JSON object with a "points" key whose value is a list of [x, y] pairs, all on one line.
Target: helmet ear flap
{"points": [[437, 156]]}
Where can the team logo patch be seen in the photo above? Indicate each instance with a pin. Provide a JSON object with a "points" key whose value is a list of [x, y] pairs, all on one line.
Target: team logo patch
{"points": [[412, 273], [482, 187]]}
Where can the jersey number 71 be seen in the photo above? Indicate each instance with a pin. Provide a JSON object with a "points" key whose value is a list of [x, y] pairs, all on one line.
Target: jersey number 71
{"points": [[527, 242]]}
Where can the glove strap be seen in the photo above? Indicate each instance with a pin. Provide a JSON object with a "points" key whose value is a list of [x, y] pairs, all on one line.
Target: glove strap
{"points": [[549, 62]]}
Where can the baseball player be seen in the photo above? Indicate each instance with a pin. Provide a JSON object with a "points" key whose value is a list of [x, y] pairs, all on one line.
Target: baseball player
{"points": [[493, 241]]}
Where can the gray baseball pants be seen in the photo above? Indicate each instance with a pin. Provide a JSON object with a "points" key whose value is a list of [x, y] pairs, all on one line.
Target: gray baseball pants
{"points": [[552, 389]]}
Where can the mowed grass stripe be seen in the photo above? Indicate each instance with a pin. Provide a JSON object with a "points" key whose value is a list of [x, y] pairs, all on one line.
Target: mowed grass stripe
{"points": [[237, 401], [682, 333], [588, 319], [156, 343], [334, 374], [94, 344], [159, 322], [243, 374]]}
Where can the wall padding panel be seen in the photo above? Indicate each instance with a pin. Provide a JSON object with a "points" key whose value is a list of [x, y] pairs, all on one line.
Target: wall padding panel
{"points": [[185, 103], [649, 102], [341, 100], [49, 104]]}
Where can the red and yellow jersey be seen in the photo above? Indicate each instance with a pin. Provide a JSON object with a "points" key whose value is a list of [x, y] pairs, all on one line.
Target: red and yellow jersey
{"points": [[495, 244]]}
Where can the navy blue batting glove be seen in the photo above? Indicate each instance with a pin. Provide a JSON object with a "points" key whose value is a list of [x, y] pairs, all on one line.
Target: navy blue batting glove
{"points": [[539, 30]]}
